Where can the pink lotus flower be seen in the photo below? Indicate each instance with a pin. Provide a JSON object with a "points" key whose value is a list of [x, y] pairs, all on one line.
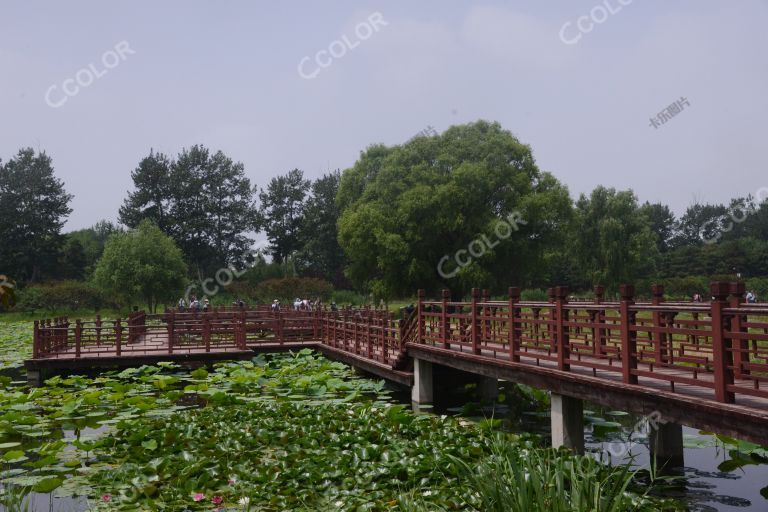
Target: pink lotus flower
{"points": [[198, 496], [217, 500], [232, 481], [106, 498]]}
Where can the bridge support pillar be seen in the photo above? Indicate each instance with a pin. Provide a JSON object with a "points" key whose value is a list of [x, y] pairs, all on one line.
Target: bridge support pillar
{"points": [[423, 385], [666, 445], [35, 378], [567, 416], [488, 389]]}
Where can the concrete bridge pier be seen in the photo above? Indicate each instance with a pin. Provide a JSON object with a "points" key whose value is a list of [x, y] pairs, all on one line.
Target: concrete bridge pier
{"points": [[35, 378], [567, 416], [488, 389], [422, 392], [430, 378], [666, 445]]}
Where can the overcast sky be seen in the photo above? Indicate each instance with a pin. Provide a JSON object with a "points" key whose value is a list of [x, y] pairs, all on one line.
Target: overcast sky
{"points": [[578, 80]]}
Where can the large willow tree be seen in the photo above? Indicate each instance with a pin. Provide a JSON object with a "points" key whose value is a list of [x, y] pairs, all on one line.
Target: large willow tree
{"points": [[406, 209]]}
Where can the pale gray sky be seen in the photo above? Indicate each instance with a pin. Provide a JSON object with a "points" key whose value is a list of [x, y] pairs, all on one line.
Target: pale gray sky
{"points": [[226, 74]]}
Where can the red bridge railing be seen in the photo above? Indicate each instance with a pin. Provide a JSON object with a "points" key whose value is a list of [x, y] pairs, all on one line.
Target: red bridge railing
{"points": [[716, 350]]}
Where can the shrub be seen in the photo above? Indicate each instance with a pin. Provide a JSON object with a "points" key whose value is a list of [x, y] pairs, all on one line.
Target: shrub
{"points": [[536, 294], [63, 295], [685, 287], [349, 297], [288, 288]]}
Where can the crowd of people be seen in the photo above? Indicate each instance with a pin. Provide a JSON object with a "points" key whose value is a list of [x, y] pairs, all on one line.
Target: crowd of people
{"points": [[751, 297]]}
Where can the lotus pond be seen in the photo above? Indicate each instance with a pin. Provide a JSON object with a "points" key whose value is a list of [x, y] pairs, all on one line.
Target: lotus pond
{"points": [[299, 432], [15, 344], [287, 432]]}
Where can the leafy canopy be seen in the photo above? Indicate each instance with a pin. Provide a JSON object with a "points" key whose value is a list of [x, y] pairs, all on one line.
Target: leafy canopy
{"points": [[202, 200], [142, 263], [404, 208], [33, 209]]}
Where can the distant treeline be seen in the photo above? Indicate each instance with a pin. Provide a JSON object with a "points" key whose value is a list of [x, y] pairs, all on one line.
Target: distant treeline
{"points": [[431, 213]]}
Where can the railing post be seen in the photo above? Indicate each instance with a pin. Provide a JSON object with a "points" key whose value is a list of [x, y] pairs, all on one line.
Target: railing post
{"points": [[171, 328], [369, 321], [243, 330], [721, 357], [445, 322], [98, 330], [661, 351], [207, 332], [598, 331], [78, 337], [333, 317], [486, 312], [551, 327], [420, 321], [345, 330], [514, 324], [36, 340], [740, 346], [561, 330], [386, 335], [118, 337], [355, 335], [474, 332], [628, 334]]}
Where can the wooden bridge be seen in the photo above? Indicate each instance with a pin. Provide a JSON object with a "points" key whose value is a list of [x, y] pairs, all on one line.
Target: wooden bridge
{"points": [[700, 364]]}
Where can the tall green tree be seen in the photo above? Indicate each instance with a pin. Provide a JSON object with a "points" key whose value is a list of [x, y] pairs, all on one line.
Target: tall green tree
{"points": [[142, 263], [154, 194], [33, 209], [282, 211], [82, 249], [203, 200], [320, 254], [408, 210], [700, 224], [662, 222], [613, 242]]}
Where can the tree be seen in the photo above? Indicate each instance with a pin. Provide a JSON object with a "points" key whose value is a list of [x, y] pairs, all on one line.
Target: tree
{"points": [[662, 222], [154, 195], [142, 263], [203, 201], [701, 223], [321, 255], [282, 210], [72, 261], [92, 241], [33, 209], [408, 211], [613, 242]]}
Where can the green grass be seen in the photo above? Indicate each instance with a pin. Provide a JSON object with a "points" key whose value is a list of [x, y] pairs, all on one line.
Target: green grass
{"points": [[31, 316]]}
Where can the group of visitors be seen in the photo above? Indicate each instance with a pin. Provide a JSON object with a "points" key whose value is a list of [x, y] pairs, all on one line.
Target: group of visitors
{"points": [[751, 297], [299, 305], [194, 304]]}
